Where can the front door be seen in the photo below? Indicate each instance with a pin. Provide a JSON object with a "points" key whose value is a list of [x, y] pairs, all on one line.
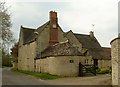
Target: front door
{"points": [[96, 62]]}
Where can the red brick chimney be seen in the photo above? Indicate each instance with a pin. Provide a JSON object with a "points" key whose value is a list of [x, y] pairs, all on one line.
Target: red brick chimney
{"points": [[53, 27]]}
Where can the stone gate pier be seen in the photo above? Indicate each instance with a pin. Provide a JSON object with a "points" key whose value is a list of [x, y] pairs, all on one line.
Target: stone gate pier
{"points": [[115, 57]]}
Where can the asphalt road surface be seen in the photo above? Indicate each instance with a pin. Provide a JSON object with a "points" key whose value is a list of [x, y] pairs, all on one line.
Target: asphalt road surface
{"points": [[15, 78]]}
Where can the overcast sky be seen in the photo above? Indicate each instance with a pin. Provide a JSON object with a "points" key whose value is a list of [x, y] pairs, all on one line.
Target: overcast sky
{"points": [[75, 15]]}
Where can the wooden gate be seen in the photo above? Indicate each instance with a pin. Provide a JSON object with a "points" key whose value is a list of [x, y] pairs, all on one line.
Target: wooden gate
{"points": [[84, 69]]}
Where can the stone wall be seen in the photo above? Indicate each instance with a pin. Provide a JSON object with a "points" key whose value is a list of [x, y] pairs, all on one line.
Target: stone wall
{"points": [[74, 41], [115, 53], [61, 65], [44, 38], [26, 56], [61, 37]]}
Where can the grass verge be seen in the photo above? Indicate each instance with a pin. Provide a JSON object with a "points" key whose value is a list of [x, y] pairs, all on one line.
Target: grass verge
{"points": [[44, 76]]}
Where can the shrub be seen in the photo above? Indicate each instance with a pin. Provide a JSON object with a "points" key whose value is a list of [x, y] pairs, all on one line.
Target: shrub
{"points": [[98, 70], [103, 71]]}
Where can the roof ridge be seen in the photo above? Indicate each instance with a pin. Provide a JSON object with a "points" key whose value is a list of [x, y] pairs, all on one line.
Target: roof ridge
{"points": [[28, 28], [43, 24], [81, 34], [106, 47], [42, 27], [28, 33], [83, 38]]}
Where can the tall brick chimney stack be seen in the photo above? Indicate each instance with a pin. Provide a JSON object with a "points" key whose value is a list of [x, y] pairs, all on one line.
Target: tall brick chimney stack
{"points": [[53, 27]]}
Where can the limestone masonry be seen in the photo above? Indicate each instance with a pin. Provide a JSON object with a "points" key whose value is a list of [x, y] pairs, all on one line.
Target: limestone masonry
{"points": [[49, 49], [115, 53]]}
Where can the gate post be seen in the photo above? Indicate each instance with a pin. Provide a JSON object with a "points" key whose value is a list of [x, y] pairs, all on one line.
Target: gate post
{"points": [[80, 69], [94, 69], [115, 59]]}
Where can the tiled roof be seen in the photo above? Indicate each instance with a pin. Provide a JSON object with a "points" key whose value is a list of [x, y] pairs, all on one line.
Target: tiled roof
{"points": [[91, 44], [87, 41], [100, 53], [29, 34], [96, 53], [60, 49]]}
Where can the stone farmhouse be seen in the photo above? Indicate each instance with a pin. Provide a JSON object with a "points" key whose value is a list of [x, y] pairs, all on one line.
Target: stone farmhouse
{"points": [[49, 49]]}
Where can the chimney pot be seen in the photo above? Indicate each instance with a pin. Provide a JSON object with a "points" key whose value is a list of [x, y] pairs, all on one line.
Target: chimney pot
{"points": [[52, 14]]}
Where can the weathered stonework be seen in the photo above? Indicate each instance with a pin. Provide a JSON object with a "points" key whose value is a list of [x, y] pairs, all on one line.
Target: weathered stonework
{"points": [[73, 40], [43, 38], [60, 65], [26, 57], [33, 43], [115, 53]]}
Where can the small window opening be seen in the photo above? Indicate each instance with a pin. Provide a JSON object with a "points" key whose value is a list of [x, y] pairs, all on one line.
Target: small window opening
{"points": [[71, 61]]}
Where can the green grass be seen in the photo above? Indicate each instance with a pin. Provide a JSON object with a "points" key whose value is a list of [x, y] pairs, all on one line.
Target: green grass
{"points": [[39, 75]]}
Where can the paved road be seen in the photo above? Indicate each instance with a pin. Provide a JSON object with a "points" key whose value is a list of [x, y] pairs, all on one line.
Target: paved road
{"points": [[15, 78], [88, 80]]}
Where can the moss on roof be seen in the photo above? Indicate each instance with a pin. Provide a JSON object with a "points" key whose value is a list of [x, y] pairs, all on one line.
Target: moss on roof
{"points": [[60, 49]]}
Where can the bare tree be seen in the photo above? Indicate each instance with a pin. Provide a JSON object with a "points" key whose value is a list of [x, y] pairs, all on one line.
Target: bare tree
{"points": [[6, 35]]}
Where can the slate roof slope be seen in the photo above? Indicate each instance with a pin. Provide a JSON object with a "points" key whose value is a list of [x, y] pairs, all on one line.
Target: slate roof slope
{"points": [[41, 28], [90, 43], [104, 54], [60, 49], [97, 53], [100, 53], [29, 33], [87, 41]]}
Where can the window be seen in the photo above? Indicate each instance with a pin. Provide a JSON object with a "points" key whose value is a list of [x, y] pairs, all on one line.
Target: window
{"points": [[71, 61]]}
